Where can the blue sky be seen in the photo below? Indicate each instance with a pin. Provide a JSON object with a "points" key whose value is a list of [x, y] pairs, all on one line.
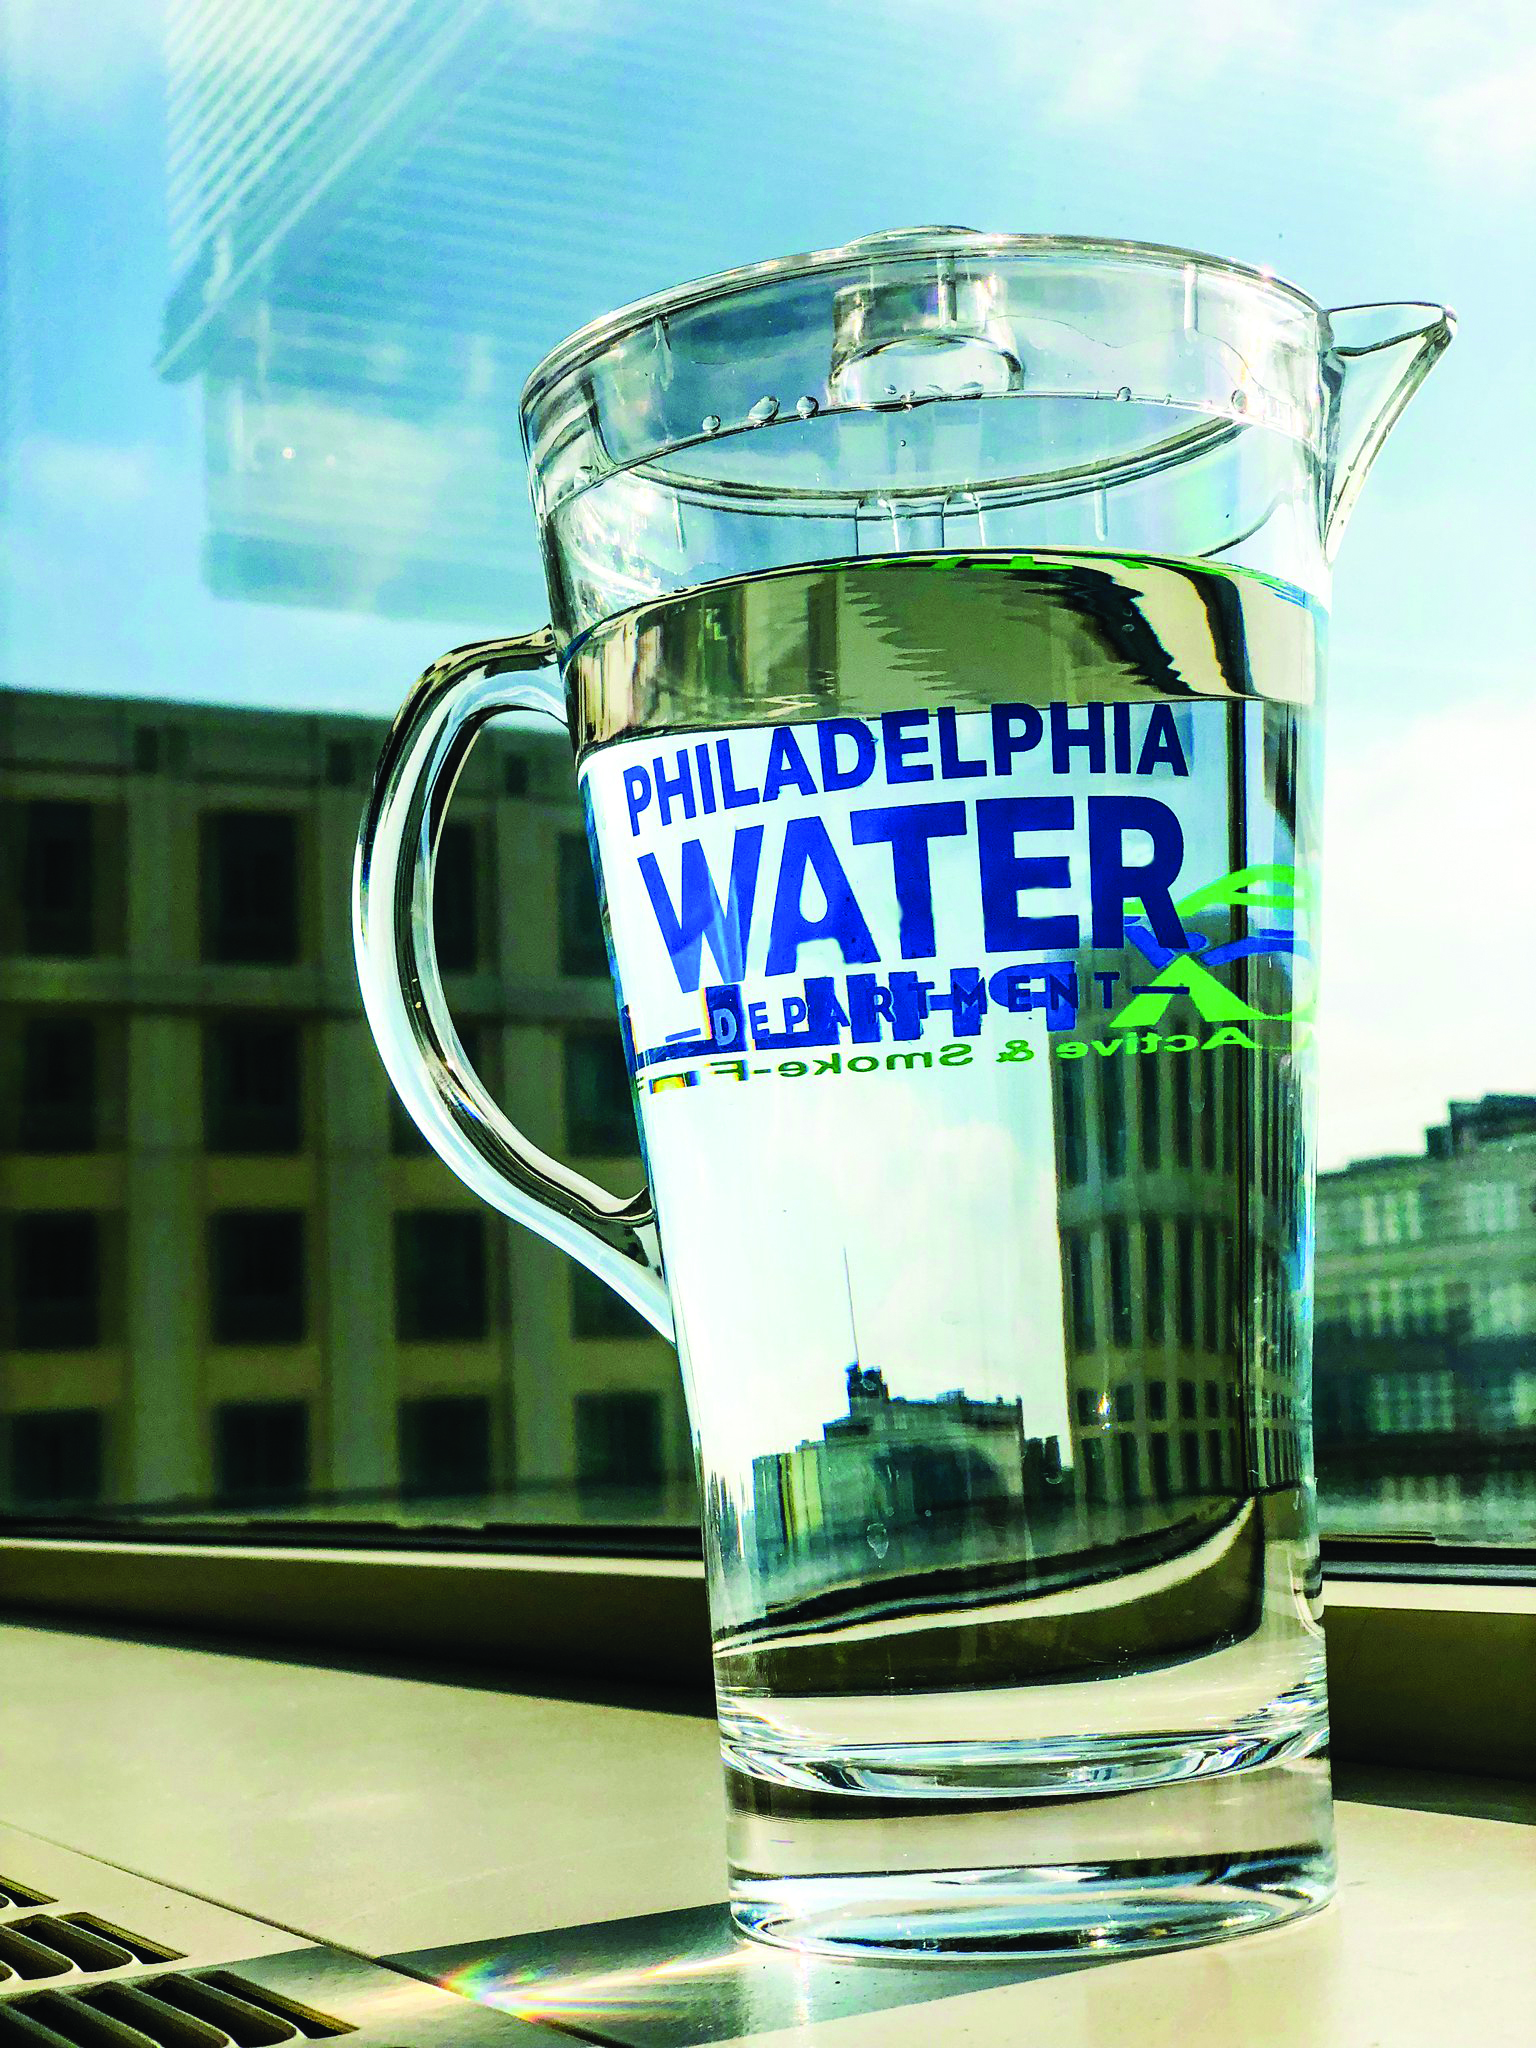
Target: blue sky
{"points": [[1368, 152]]}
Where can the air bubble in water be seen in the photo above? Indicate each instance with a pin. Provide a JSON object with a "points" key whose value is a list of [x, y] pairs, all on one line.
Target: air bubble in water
{"points": [[1239, 401], [766, 409], [1124, 393], [806, 407], [710, 424]]}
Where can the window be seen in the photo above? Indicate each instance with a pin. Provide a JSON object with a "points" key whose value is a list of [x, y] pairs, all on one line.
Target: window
{"points": [[1085, 1406], [441, 1295], [56, 1458], [1112, 1113], [1157, 1400], [250, 888], [1212, 1071], [618, 1439], [1210, 1287], [1096, 1486], [1491, 1207], [583, 949], [1121, 1318], [1150, 1113], [1215, 1457], [58, 880], [57, 1109], [445, 1446], [1188, 1392], [599, 1113], [1408, 1403], [1184, 1296], [252, 1095], [56, 1280], [596, 1311], [1162, 1473], [1181, 1080], [1130, 1470], [1125, 1402], [1189, 1459], [1080, 1290], [1154, 1298], [456, 899], [261, 1452], [1074, 1132], [256, 1276]]}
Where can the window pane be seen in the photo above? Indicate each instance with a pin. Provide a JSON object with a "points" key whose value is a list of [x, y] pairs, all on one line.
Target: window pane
{"points": [[58, 1085], [596, 1311], [56, 1459], [445, 1446], [260, 464], [250, 888], [252, 1088], [56, 1281], [440, 1283], [261, 1452], [256, 1277], [583, 949], [599, 1114], [618, 1439]]}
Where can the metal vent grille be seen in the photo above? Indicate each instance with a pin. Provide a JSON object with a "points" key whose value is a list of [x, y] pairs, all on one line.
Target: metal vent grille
{"points": [[41, 1945], [216, 2009], [12, 1894]]}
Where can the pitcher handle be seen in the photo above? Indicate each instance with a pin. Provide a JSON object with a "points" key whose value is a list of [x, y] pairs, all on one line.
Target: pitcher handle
{"points": [[427, 747]]}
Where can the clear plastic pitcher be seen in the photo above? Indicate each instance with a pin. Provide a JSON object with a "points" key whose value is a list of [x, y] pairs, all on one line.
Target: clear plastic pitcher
{"points": [[939, 622]]}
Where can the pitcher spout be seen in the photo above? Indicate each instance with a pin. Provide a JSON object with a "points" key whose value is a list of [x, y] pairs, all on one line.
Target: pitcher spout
{"points": [[1379, 357]]}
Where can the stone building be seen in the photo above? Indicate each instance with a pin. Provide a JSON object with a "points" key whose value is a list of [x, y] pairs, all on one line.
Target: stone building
{"points": [[232, 1271]]}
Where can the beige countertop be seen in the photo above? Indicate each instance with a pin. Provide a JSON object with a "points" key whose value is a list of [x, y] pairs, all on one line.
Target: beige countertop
{"points": [[390, 1814]]}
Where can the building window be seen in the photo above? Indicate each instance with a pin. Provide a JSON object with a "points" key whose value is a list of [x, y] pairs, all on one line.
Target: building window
{"points": [[1130, 1470], [256, 1269], [1154, 1295], [250, 888], [618, 1439], [1491, 1206], [445, 1446], [1095, 1486], [599, 1114], [1080, 1290], [58, 880], [1188, 1400], [56, 1280], [57, 1109], [1215, 1457], [1150, 1113], [1085, 1406], [1184, 1281], [1212, 1072], [1412, 1403], [441, 1295], [261, 1451], [252, 1090], [583, 950], [405, 1138], [1189, 1449], [596, 1311], [1391, 1216], [56, 1458], [1210, 1283], [1157, 1400], [1183, 1112], [1125, 1402], [1112, 1113], [1212, 1401], [456, 899], [1074, 1132], [1121, 1319], [1162, 1475]]}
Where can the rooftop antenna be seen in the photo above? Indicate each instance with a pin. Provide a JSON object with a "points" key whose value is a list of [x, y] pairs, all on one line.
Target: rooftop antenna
{"points": [[853, 1328]]}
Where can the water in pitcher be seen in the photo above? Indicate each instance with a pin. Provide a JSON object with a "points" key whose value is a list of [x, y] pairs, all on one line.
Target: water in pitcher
{"points": [[962, 918]]}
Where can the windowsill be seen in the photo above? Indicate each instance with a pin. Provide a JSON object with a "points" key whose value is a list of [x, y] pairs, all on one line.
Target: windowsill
{"points": [[1430, 1674]]}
